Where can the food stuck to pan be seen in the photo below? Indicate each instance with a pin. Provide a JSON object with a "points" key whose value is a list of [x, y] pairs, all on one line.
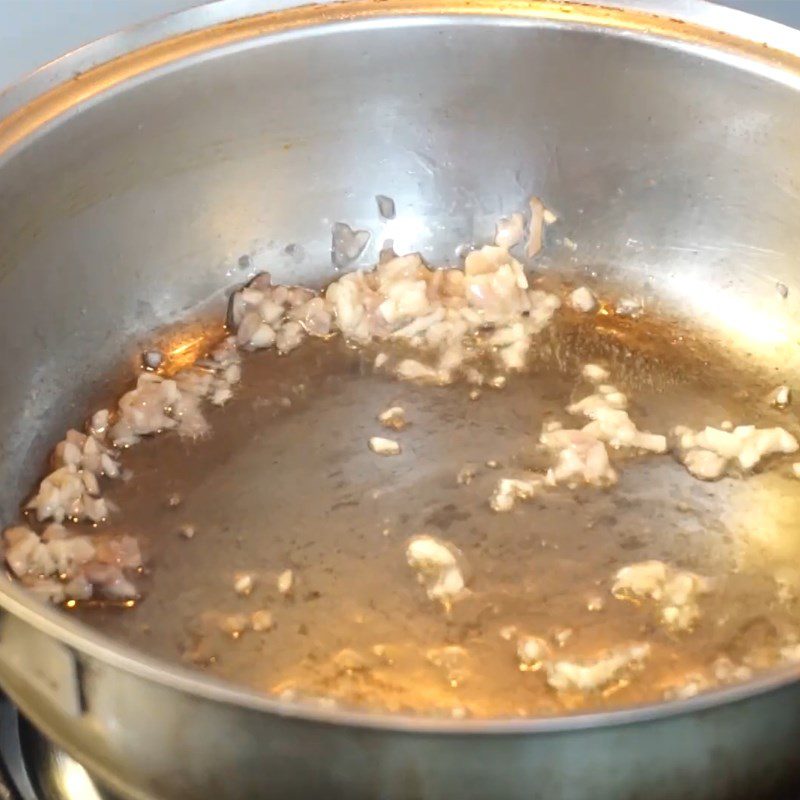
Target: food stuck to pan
{"points": [[472, 490]]}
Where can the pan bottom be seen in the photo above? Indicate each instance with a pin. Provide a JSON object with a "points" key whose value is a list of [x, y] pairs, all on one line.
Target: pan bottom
{"points": [[287, 482]]}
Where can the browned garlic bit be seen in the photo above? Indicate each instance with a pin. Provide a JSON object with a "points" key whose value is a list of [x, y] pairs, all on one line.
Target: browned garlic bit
{"points": [[675, 591], [710, 453], [440, 567]]}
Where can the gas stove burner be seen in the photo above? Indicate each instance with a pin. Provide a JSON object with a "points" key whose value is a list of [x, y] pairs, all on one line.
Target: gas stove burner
{"points": [[33, 768]]}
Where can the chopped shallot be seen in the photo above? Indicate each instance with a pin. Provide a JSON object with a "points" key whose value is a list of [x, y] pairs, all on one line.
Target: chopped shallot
{"points": [[243, 583], [582, 299], [676, 591], [70, 567], [710, 453], [393, 417], [438, 311], [584, 675], [384, 447], [588, 675], [509, 490], [286, 582], [440, 567]]}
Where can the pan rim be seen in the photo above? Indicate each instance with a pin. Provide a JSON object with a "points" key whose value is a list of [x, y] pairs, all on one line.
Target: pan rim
{"points": [[63, 85]]}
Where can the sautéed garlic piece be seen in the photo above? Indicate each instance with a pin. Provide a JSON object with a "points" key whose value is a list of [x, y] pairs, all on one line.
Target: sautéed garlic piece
{"points": [[439, 566], [710, 453], [675, 591]]}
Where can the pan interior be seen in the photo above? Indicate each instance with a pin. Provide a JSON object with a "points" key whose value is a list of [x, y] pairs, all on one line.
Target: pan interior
{"points": [[287, 481], [675, 178]]}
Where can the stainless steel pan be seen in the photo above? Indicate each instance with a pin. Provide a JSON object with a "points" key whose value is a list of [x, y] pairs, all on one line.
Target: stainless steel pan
{"points": [[135, 172]]}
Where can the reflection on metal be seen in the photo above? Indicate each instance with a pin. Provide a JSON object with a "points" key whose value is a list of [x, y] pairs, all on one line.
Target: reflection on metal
{"points": [[35, 768], [104, 77], [745, 322], [764, 519], [15, 769], [72, 778]]}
